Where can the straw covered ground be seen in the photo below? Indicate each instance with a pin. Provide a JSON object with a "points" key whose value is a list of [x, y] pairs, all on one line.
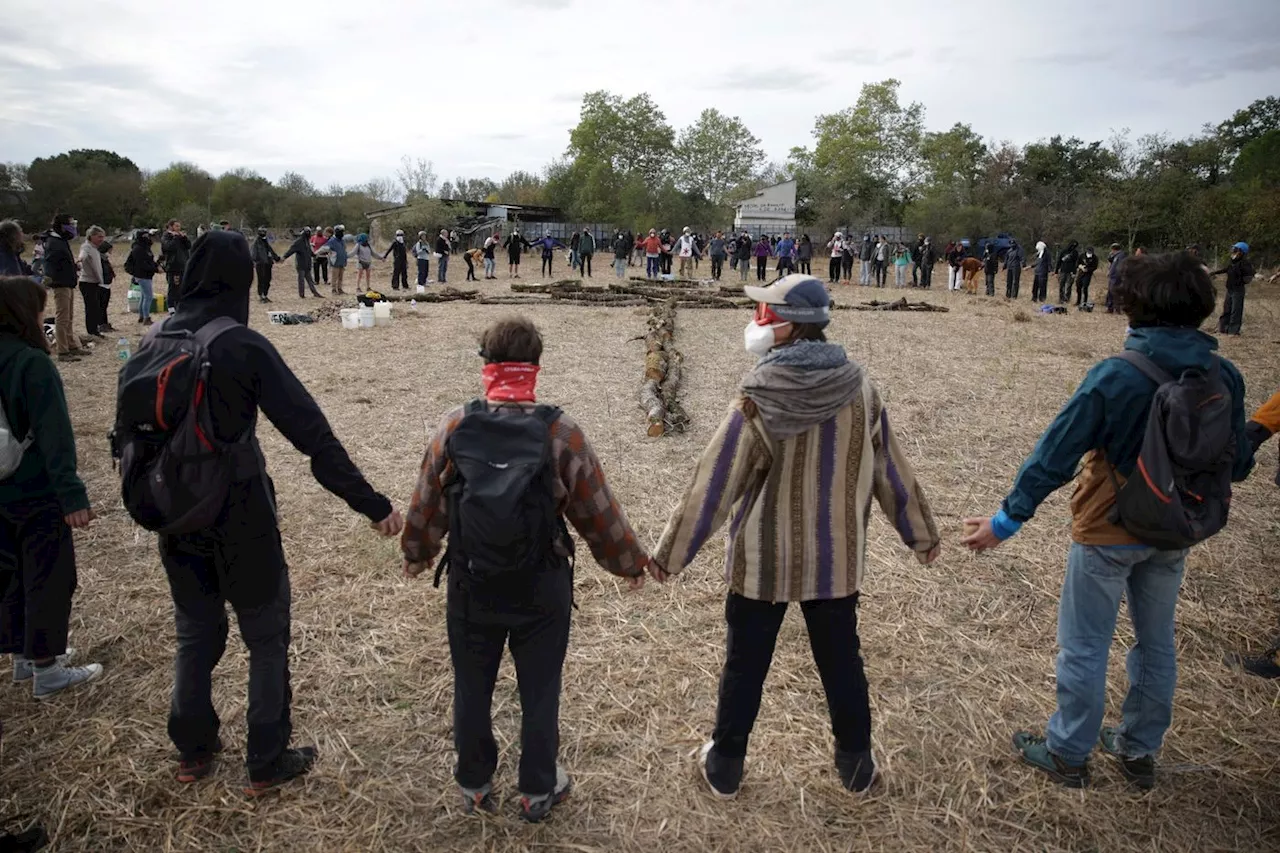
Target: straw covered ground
{"points": [[958, 653]]}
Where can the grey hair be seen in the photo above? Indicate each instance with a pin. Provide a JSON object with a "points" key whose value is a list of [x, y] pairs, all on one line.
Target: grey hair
{"points": [[9, 231], [94, 231]]}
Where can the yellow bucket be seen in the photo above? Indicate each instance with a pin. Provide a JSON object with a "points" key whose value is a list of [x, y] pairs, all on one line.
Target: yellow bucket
{"points": [[158, 305]]}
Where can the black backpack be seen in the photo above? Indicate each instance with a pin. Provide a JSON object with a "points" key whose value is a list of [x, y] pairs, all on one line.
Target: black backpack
{"points": [[1179, 493], [503, 518], [175, 474]]}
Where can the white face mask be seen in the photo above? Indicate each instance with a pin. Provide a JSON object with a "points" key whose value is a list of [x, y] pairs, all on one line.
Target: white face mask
{"points": [[760, 339], [400, 239]]}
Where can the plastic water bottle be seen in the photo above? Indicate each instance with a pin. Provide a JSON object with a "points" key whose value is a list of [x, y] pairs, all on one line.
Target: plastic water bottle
{"points": [[413, 305], [122, 349]]}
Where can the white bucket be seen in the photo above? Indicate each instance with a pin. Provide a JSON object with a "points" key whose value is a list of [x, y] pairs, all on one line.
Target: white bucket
{"points": [[366, 317], [134, 301], [350, 318], [382, 313], [422, 288]]}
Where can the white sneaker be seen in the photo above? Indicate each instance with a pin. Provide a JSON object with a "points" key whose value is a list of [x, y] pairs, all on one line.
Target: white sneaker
{"points": [[24, 669], [53, 680]]}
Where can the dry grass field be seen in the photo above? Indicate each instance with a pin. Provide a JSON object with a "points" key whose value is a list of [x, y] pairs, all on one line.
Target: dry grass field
{"points": [[959, 653]]}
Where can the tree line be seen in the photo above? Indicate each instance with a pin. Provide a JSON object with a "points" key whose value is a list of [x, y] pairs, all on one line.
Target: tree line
{"points": [[873, 162]]}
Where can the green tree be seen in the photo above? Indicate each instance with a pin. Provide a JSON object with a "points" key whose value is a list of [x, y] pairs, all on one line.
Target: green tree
{"points": [[1248, 124], [98, 187], [716, 154], [242, 197], [1259, 161], [522, 188], [629, 135]]}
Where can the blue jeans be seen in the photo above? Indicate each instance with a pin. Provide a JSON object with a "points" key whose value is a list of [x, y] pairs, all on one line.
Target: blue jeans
{"points": [[148, 296], [652, 268], [1096, 579], [442, 267]]}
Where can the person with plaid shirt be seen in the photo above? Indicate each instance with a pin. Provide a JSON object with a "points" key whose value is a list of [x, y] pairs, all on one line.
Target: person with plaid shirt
{"points": [[536, 620]]}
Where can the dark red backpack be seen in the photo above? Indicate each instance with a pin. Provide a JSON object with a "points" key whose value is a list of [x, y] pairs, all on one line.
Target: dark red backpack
{"points": [[174, 472], [1179, 493]]}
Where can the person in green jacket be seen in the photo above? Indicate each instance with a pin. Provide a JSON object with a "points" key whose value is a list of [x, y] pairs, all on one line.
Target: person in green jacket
{"points": [[586, 248], [40, 501]]}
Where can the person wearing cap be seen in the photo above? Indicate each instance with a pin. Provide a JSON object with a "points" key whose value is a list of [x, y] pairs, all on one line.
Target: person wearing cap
{"points": [[684, 247], [836, 245], [399, 261], [263, 258], [300, 249], [804, 448], [1239, 273]]}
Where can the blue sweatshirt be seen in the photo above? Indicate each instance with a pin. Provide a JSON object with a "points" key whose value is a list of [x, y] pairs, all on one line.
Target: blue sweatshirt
{"points": [[1109, 412], [337, 251]]}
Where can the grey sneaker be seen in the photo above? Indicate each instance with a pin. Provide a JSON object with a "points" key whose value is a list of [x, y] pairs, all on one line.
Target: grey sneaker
{"points": [[534, 809], [53, 680], [478, 800], [25, 670]]}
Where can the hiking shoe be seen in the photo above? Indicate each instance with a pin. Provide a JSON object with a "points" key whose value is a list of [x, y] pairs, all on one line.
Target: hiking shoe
{"points": [[1140, 771], [193, 769], [1265, 665], [478, 800], [68, 357], [723, 775], [1035, 752], [857, 770], [535, 809], [291, 764], [53, 679], [25, 670]]}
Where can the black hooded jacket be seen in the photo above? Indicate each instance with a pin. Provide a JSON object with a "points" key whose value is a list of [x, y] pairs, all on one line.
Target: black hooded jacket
{"points": [[247, 374], [1069, 259], [399, 254], [59, 263], [301, 251], [141, 263], [175, 249]]}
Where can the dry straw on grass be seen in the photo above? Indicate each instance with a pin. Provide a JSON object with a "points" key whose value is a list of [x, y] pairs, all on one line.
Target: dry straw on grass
{"points": [[958, 653]]}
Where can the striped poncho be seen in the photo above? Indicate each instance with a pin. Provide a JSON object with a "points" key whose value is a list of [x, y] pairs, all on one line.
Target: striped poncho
{"points": [[798, 508]]}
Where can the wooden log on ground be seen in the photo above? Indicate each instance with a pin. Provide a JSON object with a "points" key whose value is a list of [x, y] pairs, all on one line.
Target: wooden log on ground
{"points": [[901, 305], [662, 373]]}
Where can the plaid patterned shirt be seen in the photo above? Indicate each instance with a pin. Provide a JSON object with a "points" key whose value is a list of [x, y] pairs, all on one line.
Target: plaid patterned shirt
{"points": [[582, 496]]}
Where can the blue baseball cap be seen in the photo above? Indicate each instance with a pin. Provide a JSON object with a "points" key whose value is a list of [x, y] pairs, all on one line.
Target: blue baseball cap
{"points": [[796, 299], [1242, 246]]}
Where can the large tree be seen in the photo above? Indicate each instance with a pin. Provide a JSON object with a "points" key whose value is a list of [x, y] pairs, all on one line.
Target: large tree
{"points": [[716, 155], [629, 135], [98, 187]]}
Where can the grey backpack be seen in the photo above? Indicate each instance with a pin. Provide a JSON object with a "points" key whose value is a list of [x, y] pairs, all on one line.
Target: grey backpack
{"points": [[1179, 492], [11, 450]]}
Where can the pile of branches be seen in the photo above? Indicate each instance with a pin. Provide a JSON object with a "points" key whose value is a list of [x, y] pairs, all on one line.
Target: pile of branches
{"points": [[663, 372], [898, 305], [327, 311], [445, 294]]}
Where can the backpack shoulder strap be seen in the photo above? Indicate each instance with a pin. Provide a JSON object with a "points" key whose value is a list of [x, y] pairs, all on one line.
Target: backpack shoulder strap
{"points": [[475, 406], [1149, 368], [548, 415], [214, 329]]}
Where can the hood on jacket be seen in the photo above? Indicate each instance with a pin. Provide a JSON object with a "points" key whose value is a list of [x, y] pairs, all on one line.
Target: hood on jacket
{"points": [[216, 281], [800, 386], [142, 238], [1174, 348]]}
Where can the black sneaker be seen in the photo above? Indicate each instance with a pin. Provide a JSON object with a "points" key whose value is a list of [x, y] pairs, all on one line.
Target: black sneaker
{"points": [[535, 809], [478, 800], [723, 775], [1265, 665], [192, 769], [1035, 751], [858, 770], [291, 764], [1140, 771]]}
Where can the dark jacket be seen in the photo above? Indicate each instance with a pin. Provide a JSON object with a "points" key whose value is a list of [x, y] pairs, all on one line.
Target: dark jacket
{"points": [[35, 404], [1042, 264], [990, 261], [804, 250], [548, 245], [515, 244], [1113, 272], [1014, 257], [586, 245], [11, 264], [622, 247], [263, 253], [141, 263], [175, 249], [956, 256], [1090, 263], [442, 247], [301, 251], [743, 249], [399, 252], [1068, 259], [59, 263], [247, 374], [1239, 272], [866, 250], [928, 255]]}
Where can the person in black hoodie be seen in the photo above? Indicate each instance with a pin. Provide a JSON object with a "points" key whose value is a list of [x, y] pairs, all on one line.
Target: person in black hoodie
{"points": [[990, 266], [444, 248], [303, 256], [241, 559], [61, 275], [1068, 260], [175, 249], [1239, 273], [399, 263], [928, 257], [143, 267], [263, 258], [1088, 266]]}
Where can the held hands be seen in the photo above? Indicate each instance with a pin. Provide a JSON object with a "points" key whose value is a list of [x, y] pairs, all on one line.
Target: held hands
{"points": [[979, 536], [390, 526], [80, 519], [412, 570]]}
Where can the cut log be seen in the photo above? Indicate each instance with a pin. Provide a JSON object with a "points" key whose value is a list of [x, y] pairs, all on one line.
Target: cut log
{"points": [[899, 305], [663, 371]]}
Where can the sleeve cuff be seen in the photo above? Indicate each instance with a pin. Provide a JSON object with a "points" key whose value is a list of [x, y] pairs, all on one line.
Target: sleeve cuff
{"points": [[1003, 526]]}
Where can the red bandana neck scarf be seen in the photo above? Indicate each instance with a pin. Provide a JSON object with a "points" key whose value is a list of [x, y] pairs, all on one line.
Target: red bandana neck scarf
{"points": [[510, 382]]}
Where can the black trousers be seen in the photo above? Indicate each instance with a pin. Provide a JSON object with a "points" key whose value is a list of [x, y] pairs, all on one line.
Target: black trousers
{"points": [[264, 279], [1040, 288], [717, 267], [321, 270], [306, 281], [239, 561], [92, 310], [991, 284], [471, 270], [1082, 288], [585, 265], [1065, 282], [915, 273], [926, 275], [833, 638], [665, 261], [1232, 311], [174, 281], [762, 267], [1012, 281], [424, 270], [846, 266], [538, 634], [38, 559], [878, 269], [400, 274], [833, 270], [104, 302], [806, 266]]}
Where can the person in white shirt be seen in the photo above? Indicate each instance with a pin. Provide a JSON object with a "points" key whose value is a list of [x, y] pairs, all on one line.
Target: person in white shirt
{"points": [[684, 249], [836, 245]]}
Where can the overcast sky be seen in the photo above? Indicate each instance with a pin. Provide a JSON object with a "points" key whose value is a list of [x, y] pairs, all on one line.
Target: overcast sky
{"points": [[340, 91]]}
